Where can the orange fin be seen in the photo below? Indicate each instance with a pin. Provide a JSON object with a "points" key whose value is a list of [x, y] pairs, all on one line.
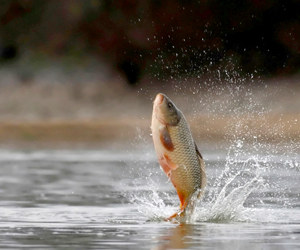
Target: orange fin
{"points": [[165, 139]]}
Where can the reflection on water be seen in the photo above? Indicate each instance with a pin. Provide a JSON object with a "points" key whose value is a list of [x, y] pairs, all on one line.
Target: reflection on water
{"points": [[182, 236], [108, 200]]}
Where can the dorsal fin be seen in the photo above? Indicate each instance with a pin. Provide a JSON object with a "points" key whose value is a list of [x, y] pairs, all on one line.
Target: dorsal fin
{"points": [[202, 171], [197, 151]]}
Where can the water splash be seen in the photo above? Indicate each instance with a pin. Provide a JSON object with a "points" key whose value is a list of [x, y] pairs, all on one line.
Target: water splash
{"points": [[224, 198], [227, 196], [152, 205], [223, 201], [242, 191], [247, 169]]}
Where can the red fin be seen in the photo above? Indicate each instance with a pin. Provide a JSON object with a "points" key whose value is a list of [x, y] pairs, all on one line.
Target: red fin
{"points": [[165, 139]]}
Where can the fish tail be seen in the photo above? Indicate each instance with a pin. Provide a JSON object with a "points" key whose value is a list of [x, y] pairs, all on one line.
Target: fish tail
{"points": [[183, 204], [171, 217]]}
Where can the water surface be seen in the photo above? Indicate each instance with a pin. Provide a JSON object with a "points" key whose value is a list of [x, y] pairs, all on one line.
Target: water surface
{"points": [[117, 200]]}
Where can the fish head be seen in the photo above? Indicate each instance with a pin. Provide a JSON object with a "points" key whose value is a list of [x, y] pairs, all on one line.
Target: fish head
{"points": [[166, 111]]}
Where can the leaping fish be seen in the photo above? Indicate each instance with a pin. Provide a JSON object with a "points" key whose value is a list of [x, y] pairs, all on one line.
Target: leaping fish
{"points": [[177, 152]]}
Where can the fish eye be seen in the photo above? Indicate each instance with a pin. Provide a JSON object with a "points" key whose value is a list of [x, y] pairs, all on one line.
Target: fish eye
{"points": [[170, 105]]}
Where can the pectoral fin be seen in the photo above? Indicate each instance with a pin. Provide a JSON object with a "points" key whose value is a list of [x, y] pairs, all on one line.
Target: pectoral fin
{"points": [[165, 139]]}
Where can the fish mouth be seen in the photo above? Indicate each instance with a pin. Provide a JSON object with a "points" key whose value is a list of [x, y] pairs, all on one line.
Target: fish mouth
{"points": [[157, 102], [159, 99]]}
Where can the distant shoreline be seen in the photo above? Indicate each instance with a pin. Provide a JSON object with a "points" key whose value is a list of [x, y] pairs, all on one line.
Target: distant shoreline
{"points": [[120, 133], [107, 114]]}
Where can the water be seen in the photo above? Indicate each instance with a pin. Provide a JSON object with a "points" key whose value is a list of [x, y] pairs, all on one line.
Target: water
{"points": [[118, 200]]}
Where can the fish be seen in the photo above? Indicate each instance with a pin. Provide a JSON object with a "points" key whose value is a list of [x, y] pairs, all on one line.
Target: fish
{"points": [[177, 153]]}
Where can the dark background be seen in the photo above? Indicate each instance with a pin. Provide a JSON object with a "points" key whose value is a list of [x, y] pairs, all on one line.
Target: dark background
{"points": [[157, 38]]}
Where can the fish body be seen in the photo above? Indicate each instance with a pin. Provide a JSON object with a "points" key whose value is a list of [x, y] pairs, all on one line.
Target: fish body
{"points": [[177, 152]]}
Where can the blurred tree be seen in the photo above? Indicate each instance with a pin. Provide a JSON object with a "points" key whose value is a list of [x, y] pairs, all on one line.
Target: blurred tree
{"points": [[158, 37], [9, 52]]}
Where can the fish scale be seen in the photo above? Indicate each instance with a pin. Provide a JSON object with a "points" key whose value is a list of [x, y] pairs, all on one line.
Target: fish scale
{"points": [[188, 174], [177, 152]]}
